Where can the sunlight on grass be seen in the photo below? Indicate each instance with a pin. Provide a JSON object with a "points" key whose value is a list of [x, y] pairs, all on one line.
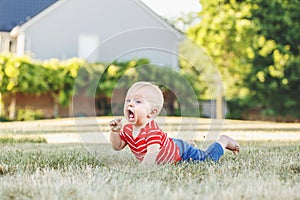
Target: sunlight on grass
{"points": [[21, 139], [263, 170]]}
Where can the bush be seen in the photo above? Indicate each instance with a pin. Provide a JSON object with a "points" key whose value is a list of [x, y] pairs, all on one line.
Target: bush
{"points": [[4, 119], [28, 114]]}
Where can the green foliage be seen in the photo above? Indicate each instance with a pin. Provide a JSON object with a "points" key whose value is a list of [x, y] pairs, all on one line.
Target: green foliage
{"points": [[275, 76], [61, 76], [28, 114], [4, 119], [24, 75], [224, 32], [9, 71], [117, 70], [256, 46]]}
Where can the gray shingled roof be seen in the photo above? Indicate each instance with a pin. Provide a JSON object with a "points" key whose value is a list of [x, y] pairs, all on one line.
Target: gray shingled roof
{"points": [[17, 12]]}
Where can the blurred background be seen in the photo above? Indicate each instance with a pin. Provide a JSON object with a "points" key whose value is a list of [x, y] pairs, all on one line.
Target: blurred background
{"points": [[54, 53]]}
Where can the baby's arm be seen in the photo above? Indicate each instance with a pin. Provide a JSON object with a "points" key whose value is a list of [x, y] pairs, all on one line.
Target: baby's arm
{"points": [[116, 142], [150, 156]]}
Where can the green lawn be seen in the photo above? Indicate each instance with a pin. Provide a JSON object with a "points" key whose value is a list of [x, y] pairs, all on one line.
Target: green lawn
{"points": [[75, 171]]}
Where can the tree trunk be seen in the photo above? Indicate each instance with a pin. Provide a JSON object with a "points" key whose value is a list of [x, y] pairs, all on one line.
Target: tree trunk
{"points": [[12, 107]]}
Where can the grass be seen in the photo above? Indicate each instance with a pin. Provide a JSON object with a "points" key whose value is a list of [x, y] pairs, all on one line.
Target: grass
{"points": [[6, 138], [266, 170]]}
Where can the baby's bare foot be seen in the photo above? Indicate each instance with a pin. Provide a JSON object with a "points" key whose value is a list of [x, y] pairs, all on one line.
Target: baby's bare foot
{"points": [[192, 142], [229, 143]]}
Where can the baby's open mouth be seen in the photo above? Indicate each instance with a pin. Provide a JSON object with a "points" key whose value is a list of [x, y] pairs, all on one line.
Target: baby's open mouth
{"points": [[130, 115]]}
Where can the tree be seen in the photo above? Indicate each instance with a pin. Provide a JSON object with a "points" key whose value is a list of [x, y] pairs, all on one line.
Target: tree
{"points": [[275, 76], [255, 44]]}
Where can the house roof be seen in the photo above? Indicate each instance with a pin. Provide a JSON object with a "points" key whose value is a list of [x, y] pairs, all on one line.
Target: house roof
{"points": [[17, 12]]}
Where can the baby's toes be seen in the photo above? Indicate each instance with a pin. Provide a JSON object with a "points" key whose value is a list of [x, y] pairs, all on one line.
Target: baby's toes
{"points": [[236, 149]]}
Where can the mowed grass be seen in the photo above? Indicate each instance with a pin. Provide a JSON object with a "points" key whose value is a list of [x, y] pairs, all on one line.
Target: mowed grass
{"points": [[263, 170]]}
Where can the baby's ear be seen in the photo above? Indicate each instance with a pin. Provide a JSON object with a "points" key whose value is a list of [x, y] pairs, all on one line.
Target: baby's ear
{"points": [[153, 113]]}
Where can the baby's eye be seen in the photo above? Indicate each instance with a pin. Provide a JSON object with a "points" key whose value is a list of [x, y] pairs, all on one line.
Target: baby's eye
{"points": [[138, 101], [127, 100]]}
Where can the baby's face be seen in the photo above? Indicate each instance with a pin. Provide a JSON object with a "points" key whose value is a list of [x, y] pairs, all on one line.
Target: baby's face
{"points": [[137, 107]]}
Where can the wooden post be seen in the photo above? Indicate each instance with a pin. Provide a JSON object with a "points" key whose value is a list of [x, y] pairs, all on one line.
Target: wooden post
{"points": [[12, 107]]}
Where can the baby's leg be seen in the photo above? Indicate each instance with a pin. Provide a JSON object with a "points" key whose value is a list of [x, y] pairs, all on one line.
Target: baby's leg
{"points": [[228, 143]]}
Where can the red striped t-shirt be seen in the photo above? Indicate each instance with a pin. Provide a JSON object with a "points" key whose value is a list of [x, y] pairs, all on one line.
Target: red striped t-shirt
{"points": [[151, 134]]}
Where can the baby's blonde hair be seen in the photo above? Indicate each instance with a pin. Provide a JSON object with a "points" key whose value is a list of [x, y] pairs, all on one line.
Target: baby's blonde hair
{"points": [[155, 95]]}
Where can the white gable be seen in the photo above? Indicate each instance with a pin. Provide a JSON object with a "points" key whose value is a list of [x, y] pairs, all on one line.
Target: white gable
{"points": [[124, 29]]}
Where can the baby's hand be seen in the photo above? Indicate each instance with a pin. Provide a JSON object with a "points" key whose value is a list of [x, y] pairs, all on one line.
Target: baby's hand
{"points": [[115, 125]]}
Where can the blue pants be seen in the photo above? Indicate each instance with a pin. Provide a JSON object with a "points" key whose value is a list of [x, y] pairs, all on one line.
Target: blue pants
{"points": [[190, 153]]}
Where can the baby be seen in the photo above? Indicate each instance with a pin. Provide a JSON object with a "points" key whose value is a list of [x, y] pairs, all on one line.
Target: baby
{"points": [[147, 141]]}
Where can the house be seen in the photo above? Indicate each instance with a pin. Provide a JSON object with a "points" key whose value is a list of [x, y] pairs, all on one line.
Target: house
{"points": [[14, 13], [97, 30]]}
